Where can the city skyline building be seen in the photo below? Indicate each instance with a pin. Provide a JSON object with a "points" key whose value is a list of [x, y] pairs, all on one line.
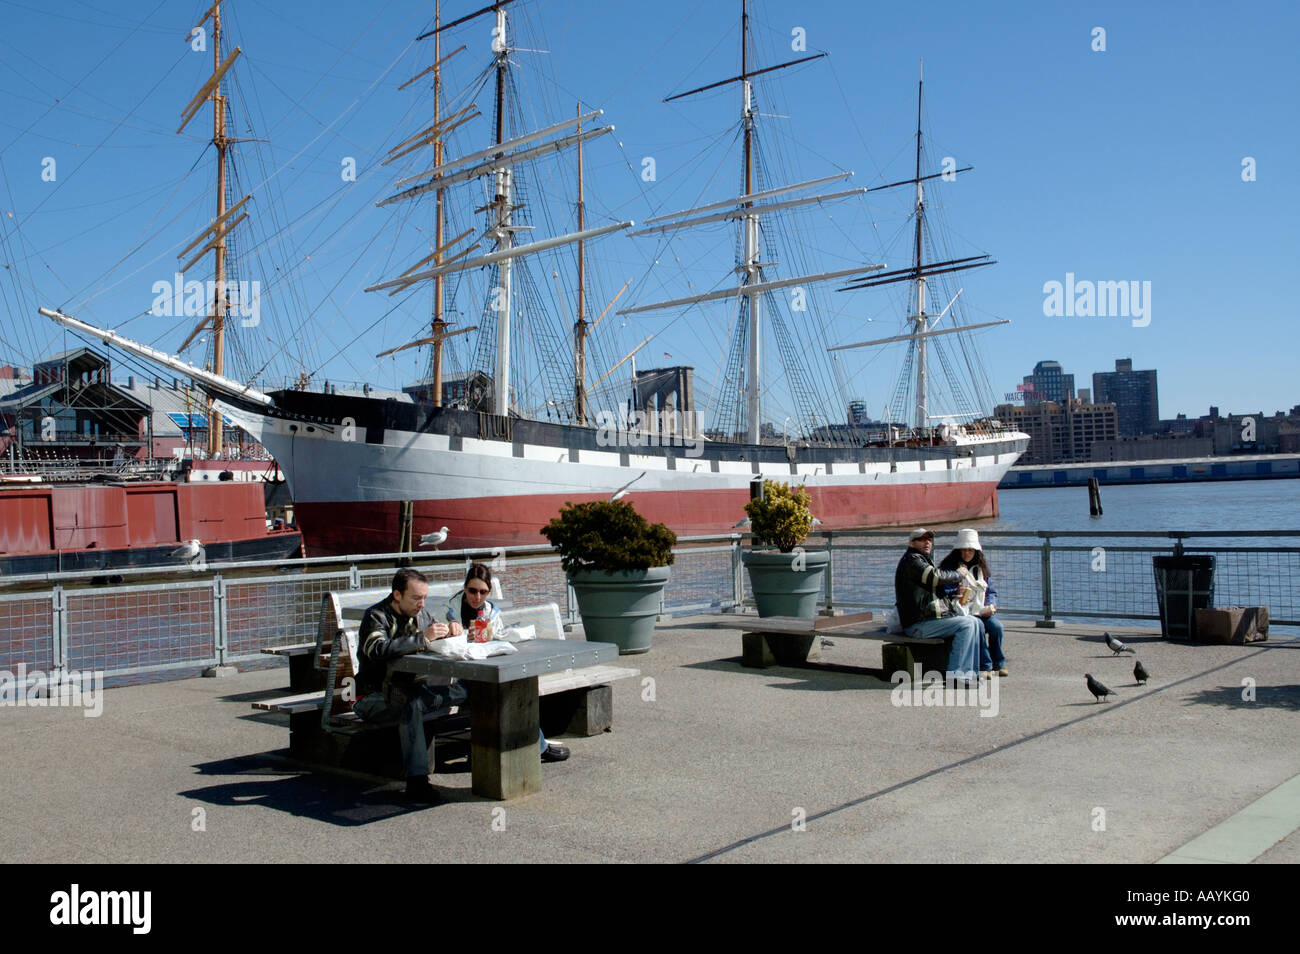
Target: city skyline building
{"points": [[1048, 382], [1134, 394], [1061, 433]]}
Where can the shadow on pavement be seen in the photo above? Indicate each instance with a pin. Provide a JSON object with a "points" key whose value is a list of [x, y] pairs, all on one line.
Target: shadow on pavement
{"points": [[267, 781], [733, 665], [1270, 697]]}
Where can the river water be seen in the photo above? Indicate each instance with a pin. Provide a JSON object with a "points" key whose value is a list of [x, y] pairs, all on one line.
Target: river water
{"points": [[1219, 505]]}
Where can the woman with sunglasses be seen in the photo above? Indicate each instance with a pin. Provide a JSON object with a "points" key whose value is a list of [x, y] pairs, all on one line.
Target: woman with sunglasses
{"points": [[470, 606]]}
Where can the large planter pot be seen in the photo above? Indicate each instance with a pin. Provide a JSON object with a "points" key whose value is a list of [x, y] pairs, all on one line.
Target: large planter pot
{"points": [[622, 607], [786, 584]]}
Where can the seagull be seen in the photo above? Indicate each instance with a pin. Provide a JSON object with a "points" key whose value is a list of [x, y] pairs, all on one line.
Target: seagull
{"points": [[434, 539], [187, 551], [1140, 673], [1116, 646], [742, 523], [622, 491], [1096, 688]]}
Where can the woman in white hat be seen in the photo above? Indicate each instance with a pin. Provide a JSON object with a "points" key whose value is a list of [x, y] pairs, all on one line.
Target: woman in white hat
{"points": [[984, 598]]}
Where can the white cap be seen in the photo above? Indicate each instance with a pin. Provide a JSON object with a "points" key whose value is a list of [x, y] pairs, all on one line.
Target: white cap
{"points": [[919, 533], [968, 539]]}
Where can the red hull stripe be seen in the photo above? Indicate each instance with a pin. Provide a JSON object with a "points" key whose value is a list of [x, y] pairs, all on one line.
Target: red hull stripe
{"points": [[331, 529]]}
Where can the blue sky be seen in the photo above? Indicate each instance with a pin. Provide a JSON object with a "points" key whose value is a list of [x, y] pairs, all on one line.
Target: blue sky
{"points": [[1117, 165]]}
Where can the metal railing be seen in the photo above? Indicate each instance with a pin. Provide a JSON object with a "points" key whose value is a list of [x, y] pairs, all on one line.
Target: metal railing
{"points": [[1080, 574], [227, 614], [67, 467]]}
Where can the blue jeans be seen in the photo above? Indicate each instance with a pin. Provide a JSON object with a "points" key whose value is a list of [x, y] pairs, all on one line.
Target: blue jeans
{"points": [[409, 705], [966, 633], [993, 631]]}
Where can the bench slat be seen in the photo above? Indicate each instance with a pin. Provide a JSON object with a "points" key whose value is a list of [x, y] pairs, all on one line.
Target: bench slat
{"points": [[554, 682], [297, 649]]}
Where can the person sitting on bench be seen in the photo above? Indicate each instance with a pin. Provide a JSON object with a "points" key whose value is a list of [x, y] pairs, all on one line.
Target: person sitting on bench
{"points": [[923, 612], [469, 606], [388, 631], [982, 599]]}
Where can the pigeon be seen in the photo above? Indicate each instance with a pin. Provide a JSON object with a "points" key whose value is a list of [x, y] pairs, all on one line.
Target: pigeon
{"points": [[187, 551], [434, 539], [1116, 646], [1140, 673], [1096, 688]]}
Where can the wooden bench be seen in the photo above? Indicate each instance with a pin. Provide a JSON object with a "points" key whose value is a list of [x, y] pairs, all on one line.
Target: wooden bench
{"points": [[792, 641], [575, 701], [304, 674]]}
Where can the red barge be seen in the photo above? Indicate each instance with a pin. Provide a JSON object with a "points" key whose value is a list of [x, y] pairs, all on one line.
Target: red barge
{"points": [[80, 527]]}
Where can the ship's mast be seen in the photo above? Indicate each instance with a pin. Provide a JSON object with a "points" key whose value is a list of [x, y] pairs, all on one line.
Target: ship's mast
{"points": [[224, 221], [919, 319], [750, 267], [504, 233], [580, 326], [219, 302], [435, 136], [746, 209], [496, 161], [922, 325], [439, 326]]}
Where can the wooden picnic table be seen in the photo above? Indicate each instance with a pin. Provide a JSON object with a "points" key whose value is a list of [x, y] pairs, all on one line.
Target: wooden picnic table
{"points": [[503, 700]]}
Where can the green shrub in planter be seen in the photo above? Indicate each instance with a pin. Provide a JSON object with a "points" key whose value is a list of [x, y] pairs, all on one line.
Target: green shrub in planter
{"points": [[608, 535], [783, 584], [617, 563], [781, 517]]}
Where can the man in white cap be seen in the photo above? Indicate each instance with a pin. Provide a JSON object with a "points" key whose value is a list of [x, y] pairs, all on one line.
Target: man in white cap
{"points": [[923, 612]]}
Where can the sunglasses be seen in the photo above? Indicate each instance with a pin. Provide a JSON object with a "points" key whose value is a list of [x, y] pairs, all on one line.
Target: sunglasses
{"points": [[476, 592]]}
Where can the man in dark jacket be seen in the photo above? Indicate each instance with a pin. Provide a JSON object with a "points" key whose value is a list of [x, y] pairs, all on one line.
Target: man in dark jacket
{"points": [[923, 611], [388, 631]]}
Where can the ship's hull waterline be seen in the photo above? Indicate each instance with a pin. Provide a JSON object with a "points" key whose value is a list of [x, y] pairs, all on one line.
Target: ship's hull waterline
{"points": [[352, 462]]}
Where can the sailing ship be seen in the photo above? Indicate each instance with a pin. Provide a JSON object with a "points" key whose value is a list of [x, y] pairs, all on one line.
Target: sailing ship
{"points": [[370, 473]]}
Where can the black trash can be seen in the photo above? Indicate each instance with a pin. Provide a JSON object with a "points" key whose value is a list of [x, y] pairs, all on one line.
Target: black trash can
{"points": [[1184, 584]]}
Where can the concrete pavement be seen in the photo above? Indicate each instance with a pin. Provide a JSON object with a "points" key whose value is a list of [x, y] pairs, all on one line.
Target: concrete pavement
{"points": [[709, 761]]}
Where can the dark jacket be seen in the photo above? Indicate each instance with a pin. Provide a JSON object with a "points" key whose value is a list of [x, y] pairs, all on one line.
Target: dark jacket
{"points": [[918, 588], [385, 635]]}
